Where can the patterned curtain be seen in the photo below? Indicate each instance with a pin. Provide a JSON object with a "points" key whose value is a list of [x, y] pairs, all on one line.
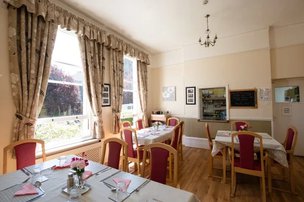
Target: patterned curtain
{"points": [[93, 61], [142, 81], [116, 78], [31, 43]]}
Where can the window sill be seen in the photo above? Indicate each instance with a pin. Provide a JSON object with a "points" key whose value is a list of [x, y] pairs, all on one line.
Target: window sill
{"points": [[52, 152]]}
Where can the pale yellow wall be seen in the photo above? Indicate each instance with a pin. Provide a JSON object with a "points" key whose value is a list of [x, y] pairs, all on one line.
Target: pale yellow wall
{"points": [[7, 108], [287, 62], [239, 71]]}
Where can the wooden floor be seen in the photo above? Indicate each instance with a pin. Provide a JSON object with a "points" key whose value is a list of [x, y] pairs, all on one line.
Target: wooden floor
{"points": [[193, 177]]}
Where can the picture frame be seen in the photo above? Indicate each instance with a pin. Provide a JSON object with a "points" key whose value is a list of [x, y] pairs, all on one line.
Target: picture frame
{"points": [[169, 93], [106, 95], [191, 95]]}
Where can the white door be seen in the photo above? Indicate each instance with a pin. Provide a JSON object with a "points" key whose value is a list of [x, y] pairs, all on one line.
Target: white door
{"points": [[289, 113]]}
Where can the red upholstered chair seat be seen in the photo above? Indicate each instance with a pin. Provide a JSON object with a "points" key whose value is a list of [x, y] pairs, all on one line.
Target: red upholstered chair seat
{"points": [[159, 166]]}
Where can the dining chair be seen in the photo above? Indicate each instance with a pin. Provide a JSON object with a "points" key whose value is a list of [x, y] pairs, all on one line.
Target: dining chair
{"points": [[236, 125], [220, 155], [139, 124], [117, 152], [126, 124], [289, 145], [25, 152], [161, 155], [172, 121], [246, 163], [135, 152], [176, 139]]}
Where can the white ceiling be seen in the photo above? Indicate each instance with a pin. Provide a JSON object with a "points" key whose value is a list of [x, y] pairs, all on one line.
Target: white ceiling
{"points": [[166, 25]]}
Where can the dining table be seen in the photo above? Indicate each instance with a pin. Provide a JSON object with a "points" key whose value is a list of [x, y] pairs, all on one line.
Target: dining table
{"points": [[275, 150], [154, 134], [100, 186]]}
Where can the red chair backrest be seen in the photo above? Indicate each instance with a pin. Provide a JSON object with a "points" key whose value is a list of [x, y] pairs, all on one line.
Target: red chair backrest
{"points": [[25, 155], [140, 124], [159, 159], [114, 154], [126, 124], [128, 137], [289, 139], [238, 125], [173, 122], [246, 151]]}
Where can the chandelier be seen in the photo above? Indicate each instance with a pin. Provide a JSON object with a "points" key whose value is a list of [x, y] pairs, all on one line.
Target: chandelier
{"points": [[207, 41]]}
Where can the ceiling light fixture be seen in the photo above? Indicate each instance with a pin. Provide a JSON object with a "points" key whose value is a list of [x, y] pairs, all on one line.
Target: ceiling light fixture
{"points": [[205, 2], [207, 41]]}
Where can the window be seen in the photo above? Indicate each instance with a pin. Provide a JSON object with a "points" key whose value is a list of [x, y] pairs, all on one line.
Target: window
{"points": [[130, 105], [65, 115]]}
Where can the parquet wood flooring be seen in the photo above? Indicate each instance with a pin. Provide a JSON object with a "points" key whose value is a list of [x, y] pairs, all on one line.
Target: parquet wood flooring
{"points": [[193, 177]]}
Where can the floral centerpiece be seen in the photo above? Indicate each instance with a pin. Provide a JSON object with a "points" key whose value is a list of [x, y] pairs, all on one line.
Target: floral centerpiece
{"points": [[156, 124], [78, 165], [244, 127]]}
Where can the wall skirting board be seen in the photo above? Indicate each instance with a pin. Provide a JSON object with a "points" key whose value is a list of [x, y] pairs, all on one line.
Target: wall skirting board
{"points": [[195, 142]]}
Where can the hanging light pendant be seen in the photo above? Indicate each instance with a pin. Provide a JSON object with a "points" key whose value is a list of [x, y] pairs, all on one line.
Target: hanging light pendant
{"points": [[207, 41]]}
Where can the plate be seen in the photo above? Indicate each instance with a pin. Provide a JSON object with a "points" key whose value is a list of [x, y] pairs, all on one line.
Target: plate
{"points": [[82, 191]]}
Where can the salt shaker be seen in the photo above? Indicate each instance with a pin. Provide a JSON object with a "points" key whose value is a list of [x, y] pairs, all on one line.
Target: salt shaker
{"points": [[70, 181]]}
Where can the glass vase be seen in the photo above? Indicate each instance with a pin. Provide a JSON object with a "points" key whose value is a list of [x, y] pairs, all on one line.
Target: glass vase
{"points": [[80, 180]]}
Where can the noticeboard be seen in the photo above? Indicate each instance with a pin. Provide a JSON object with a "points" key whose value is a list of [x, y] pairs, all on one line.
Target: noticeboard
{"points": [[243, 98]]}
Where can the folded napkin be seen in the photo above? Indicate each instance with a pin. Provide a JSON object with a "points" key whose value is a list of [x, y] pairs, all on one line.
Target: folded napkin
{"points": [[27, 189], [65, 165], [125, 181], [87, 174]]}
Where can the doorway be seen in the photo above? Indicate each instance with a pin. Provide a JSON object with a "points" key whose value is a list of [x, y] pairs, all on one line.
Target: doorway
{"points": [[288, 110]]}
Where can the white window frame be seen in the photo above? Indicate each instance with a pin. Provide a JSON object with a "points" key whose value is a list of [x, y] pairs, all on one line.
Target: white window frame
{"points": [[87, 114]]}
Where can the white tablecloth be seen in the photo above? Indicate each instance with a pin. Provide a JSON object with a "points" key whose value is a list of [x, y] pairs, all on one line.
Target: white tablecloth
{"points": [[275, 149], [152, 191], [150, 135]]}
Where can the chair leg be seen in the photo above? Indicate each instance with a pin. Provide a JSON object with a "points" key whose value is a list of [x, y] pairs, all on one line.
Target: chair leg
{"points": [[224, 166], [210, 165], [291, 179], [233, 183], [269, 178], [263, 191]]}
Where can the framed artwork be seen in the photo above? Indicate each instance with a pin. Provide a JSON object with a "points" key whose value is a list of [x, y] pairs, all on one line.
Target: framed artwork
{"points": [[106, 95], [191, 95], [168, 93]]}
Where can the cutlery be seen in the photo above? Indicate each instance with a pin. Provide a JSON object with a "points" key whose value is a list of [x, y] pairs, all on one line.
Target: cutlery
{"points": [[110, 176], [103, 170], [142, 185], [25, 171], [113, 189]]}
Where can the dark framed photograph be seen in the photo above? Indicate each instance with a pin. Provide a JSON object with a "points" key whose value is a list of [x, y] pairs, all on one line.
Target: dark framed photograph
{"points": [[106, 95], [191, 95]]}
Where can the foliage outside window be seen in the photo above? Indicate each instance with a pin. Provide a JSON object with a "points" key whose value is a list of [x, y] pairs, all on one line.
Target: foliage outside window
{"points": [[64, 117], [130, 106]]}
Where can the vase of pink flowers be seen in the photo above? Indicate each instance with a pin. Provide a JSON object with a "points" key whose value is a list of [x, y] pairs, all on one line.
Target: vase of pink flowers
{"points": [[78, 165], [244, 127]]}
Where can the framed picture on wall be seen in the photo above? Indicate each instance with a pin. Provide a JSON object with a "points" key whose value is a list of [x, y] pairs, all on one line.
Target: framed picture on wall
{"points": [[191, 95], [106, 95]]}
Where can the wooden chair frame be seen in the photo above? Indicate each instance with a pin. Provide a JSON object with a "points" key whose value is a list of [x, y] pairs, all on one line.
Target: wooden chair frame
{"points": [[290, 154], [221, 156], [125, 122], [124, 151], [258, 173], [173, 156], [11, 146], [179, 148], [136, 160], [172, 118]]}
